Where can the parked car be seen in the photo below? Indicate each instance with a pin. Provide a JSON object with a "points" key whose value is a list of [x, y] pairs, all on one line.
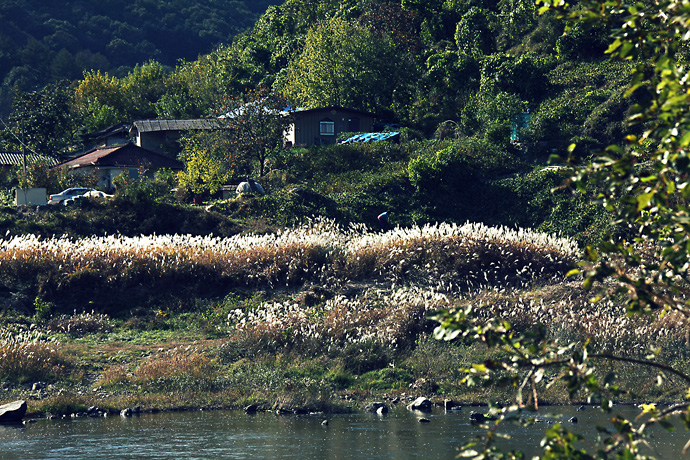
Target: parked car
{"points": [[68, 194], [97, 194]]}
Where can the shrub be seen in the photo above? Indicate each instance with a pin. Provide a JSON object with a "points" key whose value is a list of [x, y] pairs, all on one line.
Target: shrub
{"points": [[385, 379], [144, 187], [80, 324], [29, 355], [177, 370]]}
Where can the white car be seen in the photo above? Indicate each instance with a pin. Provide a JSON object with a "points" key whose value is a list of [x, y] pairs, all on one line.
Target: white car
{"points": [[67, 194]]}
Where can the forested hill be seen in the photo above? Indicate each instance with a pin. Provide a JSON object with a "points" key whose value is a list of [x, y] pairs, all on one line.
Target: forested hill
{"points": [[466, 70], [43, 41]]}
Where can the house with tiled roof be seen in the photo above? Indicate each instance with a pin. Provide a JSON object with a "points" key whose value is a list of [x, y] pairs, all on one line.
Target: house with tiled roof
{"points": [[112, 135], [11, 159], [162, 135], [110, 161]]}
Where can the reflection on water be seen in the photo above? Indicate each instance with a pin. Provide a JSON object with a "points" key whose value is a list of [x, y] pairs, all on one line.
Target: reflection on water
{"points": [[234, 435]]}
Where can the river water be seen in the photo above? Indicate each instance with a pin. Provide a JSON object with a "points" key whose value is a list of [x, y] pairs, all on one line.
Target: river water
{"points": [[235, 435]]}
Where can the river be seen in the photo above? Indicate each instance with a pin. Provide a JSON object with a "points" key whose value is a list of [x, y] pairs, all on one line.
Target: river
{"points": [[235, 435]]}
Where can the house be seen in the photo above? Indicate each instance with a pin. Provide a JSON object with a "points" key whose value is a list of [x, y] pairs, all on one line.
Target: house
{"points": [[11, 160], [112, 135], [162, 135], [109, 162], [323, 125]]}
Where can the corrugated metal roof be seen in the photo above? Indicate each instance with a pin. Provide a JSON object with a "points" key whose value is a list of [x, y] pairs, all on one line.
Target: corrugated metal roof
{"points": [[301, 110], [145, 126], [17, 159], [369, 137], [123, 155]]}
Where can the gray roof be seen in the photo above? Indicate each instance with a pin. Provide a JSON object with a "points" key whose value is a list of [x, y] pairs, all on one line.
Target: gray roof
{"points": [[17, 159], [145, 126]]}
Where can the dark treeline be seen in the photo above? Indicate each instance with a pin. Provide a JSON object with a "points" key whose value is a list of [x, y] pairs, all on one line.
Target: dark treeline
{"points": [[42, 42]]}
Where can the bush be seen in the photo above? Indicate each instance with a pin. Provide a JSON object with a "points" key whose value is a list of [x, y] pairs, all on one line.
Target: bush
{"points": [[145, 187], [29, 355], [80, 324], [385, 379], [455, 182]]}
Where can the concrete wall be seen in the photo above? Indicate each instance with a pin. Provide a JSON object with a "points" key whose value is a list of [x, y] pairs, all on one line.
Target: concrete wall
{"points": [[30, 197]]}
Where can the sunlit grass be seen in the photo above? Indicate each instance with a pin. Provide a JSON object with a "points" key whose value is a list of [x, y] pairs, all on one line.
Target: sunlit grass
{"points": [[29, 355], [465, 255]]}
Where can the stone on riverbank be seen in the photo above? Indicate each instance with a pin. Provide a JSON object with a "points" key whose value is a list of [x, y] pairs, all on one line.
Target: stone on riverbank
{"points": [[13, 412]]}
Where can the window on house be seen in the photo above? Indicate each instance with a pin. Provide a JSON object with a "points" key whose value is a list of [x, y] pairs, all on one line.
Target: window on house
{"points": [[327, 128]]}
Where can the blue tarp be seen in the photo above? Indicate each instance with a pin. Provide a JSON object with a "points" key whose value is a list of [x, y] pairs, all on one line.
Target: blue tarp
{"points": [[369, 137]]}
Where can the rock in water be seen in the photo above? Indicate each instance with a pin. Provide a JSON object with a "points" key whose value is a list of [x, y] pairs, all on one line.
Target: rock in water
{"points": [[476, 417], [375, 406], [422, 404], [13, 412]]}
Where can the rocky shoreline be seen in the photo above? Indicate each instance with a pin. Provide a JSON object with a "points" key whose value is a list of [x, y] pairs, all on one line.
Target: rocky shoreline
{"points": [[16, 412]]}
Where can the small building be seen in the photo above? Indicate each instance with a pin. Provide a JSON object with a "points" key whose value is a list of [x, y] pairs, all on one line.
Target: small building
{"points": [[162, 136], [112, 135], [323, 125], [9, 160], [109, 162]]}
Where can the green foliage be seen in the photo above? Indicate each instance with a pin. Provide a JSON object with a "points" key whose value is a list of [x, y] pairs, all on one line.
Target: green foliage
{"points": [[385, 379], [345, 64], [43, 309], [100, 100], [143, 186], [643, 186], [459, 168], [254, 127], [538, 200], [473, 33], [204, 172], [42, 120]]}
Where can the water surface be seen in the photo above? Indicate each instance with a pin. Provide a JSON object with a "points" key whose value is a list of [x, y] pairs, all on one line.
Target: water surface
{"points": [[234, 435]]}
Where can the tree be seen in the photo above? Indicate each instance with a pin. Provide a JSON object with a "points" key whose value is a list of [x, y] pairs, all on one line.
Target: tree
{"points": [[43, 120], [100, 100], [143, 87], [645, 186], [204, 171], [255, 126], [344, 64], [473, 33]]}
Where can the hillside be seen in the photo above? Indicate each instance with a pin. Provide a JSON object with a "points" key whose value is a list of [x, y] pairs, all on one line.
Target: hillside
{"points": [[43, 42], [442, 69]]}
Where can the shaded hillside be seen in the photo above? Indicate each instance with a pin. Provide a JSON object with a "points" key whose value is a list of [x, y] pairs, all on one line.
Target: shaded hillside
{"points": [[42, 42]]}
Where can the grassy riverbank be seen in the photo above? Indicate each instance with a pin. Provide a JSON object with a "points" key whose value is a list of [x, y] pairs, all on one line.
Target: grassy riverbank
{"points": [[318, 318]]}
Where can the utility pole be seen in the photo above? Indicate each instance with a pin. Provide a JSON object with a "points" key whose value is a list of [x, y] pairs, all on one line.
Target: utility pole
{"points": [[23, 146]]}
